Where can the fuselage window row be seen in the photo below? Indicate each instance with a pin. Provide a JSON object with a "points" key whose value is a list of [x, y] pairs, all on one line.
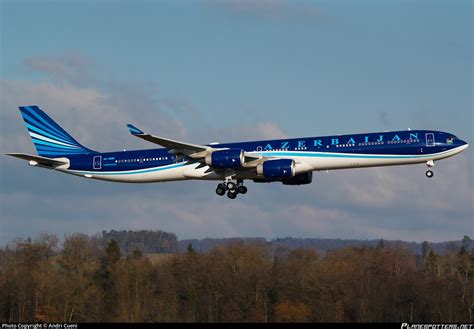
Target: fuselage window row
{"points": [[141, 160]]}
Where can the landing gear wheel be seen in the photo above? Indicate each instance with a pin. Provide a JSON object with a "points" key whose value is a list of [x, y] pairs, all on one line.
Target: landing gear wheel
{"points": [[220, 190], [242, 189], [429, 173], [231, 195], [231, 186]]}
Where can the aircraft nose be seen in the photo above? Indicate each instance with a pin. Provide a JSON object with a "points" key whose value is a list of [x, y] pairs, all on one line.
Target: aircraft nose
{"points": [[462, 143]]}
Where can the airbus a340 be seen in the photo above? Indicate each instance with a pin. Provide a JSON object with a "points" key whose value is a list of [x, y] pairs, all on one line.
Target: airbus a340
{"points": [[290, 161]]}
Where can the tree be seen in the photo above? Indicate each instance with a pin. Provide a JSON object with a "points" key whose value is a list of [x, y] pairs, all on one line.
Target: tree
{"points": [[134, 288], [380, 244], [88, 282], [104, 277], [292, 312], [190, 249], [432, 264], [137, 254], [466, 243], [425, 248], [465, 268], [113, 253], [79, 263]]}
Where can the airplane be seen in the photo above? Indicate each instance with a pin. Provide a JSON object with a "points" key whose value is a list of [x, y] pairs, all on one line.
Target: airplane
{"points": [[290, 161]]}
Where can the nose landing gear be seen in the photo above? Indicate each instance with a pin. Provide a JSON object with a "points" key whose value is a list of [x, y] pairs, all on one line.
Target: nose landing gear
{"points": [[429, 173]]}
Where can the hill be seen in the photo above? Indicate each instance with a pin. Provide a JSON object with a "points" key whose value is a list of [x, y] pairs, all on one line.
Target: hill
{"points": [[322, 246]]}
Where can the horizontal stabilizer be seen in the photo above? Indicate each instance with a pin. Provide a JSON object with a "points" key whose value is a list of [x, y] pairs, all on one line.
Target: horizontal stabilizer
{"points": [[35, 159]]}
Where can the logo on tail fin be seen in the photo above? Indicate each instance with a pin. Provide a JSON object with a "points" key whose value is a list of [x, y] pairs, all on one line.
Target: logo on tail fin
{"points": [[49, 138]]}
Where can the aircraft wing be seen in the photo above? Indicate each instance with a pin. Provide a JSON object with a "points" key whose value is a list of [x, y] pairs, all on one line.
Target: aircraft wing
{"points": [[35, 160], [192, 150]]}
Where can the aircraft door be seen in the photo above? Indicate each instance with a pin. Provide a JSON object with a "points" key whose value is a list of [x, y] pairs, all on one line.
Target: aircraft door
{"points": [[97, 162], [430, 140], [259, 151]]}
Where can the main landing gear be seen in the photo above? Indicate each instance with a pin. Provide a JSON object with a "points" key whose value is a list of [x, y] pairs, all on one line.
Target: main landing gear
{"points": [[429, 173], [232, 189]]}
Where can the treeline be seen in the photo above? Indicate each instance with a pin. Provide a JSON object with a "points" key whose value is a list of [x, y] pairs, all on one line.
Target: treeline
{"points": [[78, 281], [146, 241], [319, 245], [157, 241]]}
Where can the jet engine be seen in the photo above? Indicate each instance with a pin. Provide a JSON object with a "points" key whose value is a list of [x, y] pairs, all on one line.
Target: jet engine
{"points": [[280, 168], [226, 159]]}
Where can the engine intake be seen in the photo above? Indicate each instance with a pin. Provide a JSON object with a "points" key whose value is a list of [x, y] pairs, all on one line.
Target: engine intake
{"points": [[224, 159], [281, 168]]}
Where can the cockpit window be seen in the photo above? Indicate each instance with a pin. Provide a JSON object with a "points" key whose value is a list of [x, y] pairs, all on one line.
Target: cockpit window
{"points": [[450, 140]]}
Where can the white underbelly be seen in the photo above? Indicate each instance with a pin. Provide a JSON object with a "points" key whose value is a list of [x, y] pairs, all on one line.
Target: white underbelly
{"points": [[305, 161], [172, 172]]}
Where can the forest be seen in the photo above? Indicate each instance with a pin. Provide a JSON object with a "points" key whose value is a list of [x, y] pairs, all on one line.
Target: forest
{"points": [[80, 280]]}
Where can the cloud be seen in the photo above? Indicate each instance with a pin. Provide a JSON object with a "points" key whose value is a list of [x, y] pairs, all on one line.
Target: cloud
{"points": [[389, 203], [248, 131], [73, 94], [70, 67], [341, 204], [269, 130], [95, 118]]}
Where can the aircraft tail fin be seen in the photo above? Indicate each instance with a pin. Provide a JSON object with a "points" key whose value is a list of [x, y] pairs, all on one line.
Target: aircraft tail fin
{"points": [[49, 138]]}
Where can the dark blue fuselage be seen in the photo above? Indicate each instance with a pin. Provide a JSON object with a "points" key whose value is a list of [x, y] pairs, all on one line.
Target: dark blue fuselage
{"points": [[412, 142]]}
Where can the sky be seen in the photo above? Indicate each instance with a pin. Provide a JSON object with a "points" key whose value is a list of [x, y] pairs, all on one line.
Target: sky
{"points": [[220, 71]]}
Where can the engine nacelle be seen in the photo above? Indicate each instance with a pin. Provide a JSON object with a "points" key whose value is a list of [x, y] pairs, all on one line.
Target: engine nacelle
{"points": [[281, 168], [223, 159], [299, 179]]}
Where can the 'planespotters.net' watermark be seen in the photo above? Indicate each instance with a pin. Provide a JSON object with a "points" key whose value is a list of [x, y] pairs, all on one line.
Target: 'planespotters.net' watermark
{"points": [[436, 326]]}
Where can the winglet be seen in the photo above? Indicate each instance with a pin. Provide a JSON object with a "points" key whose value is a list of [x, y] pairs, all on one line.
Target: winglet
{"points": [[134, 130]]}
